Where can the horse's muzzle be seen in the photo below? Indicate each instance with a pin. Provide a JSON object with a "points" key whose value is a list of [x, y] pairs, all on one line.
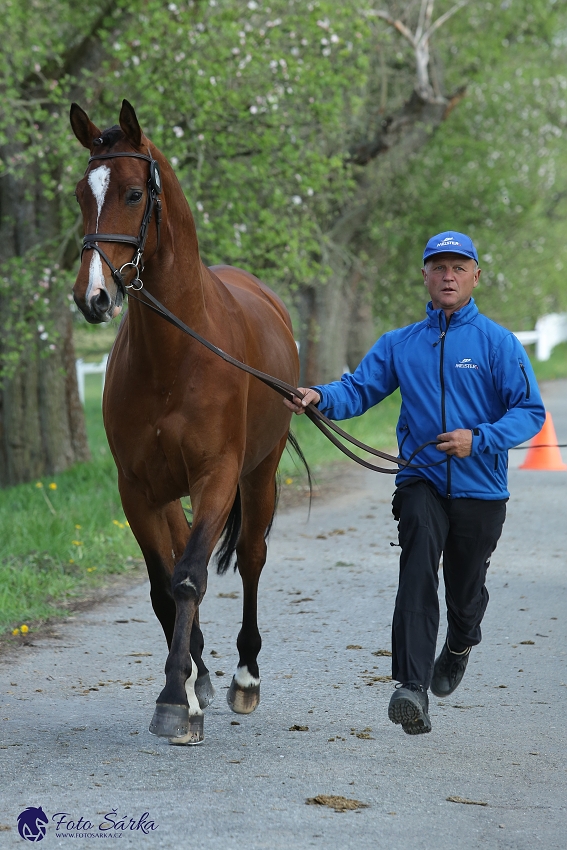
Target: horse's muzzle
{"points": [[100, 307]]}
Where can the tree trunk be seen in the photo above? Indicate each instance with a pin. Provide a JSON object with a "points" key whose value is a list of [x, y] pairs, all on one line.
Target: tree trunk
{"points": [[42, 427], [337, 327]]}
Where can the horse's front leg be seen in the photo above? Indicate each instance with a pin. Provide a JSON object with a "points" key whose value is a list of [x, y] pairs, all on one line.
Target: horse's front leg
{"points": [[204, 690], [178, 714]]}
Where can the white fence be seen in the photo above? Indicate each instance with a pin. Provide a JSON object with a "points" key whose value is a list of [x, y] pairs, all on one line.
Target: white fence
{"points": [[89, 369], [549, 331]]}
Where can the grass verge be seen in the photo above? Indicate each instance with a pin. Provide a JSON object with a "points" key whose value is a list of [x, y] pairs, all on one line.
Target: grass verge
{"points": [[554, 368], [62, 537]]}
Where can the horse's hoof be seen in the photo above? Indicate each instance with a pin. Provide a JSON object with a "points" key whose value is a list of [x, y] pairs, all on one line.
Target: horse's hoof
{"points": [[204, 690], [243, 700], [170, 721], [195, 734]]}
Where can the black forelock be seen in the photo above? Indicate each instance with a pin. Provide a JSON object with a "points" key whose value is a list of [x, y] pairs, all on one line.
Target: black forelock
{"points": [[110, 137]]}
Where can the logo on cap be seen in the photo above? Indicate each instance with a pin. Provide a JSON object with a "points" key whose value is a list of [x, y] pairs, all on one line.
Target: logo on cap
{"points": [[448, 240]]}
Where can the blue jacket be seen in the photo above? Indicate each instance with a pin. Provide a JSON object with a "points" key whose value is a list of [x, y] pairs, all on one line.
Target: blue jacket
{"points": [[467, 373]]}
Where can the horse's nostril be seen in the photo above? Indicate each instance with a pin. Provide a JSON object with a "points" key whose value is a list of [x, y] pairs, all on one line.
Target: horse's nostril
{"points": [[100, 303]]}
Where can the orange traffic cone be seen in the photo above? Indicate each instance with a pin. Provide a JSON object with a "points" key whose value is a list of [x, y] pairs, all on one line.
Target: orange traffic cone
{"points": [[543, 452]]}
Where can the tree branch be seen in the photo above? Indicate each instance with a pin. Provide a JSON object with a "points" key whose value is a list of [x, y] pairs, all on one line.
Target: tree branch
{"points": [[445, 17], [397, 24]]}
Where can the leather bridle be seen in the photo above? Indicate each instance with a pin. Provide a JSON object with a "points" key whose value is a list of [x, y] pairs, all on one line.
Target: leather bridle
{"points": [[91, 240]]}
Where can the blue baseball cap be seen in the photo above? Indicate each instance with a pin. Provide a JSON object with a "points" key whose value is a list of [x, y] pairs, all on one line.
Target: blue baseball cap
{"points": [[450, 242]]}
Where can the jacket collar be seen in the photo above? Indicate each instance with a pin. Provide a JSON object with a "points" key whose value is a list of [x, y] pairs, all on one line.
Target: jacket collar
{"points": [[436, 318]]}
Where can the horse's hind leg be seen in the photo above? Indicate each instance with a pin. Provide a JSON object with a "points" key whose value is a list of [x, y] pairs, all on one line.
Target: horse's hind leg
{"points": [[258, 492]]}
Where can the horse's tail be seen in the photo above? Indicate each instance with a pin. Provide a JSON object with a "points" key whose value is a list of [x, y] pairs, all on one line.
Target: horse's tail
{"points": [[292, 440], [231, 531], [229, 536]]}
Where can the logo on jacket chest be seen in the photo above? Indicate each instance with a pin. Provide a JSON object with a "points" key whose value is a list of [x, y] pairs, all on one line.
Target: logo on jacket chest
{"points": [[466, 363]]}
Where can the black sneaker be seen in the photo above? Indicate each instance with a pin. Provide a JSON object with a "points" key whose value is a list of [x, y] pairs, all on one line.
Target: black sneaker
{"points": [[448, 671], [409, 706]]}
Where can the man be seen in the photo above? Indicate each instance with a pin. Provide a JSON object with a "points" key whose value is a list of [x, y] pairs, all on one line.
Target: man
{"points": [[467, 383]]}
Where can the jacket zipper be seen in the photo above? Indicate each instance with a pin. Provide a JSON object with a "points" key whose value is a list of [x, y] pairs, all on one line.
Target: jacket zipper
{"points": [[442, 377], [526, 380]]}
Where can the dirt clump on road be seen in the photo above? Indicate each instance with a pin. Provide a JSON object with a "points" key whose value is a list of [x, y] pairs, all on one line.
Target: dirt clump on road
{"points": [[339, 804]]}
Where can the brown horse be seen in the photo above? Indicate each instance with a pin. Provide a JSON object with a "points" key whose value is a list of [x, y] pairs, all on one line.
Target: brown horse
{"points": [[179, 420]]}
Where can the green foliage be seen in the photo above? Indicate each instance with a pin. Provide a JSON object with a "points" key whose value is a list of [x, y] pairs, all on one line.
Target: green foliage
{"points": [[257, 120], [495, 169], [257, 105], [26, 286]]}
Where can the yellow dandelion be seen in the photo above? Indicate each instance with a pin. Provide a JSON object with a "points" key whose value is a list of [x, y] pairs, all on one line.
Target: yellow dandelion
{"points": [[39, 485], [15, 631], [91, 569], [53, 486], [78, 526], [289, 481], [24, 629], [71, 561], [77, 542]]}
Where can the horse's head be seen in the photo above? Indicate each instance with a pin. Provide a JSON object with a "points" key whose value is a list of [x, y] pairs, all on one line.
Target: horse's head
{"points": [[116, 195]]}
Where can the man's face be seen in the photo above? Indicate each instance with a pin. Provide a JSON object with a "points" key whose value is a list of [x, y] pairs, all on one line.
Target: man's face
{"points": [[450, 280]]}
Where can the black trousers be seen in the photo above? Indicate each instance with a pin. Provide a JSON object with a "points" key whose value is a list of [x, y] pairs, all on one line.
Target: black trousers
{"points": [[465, 532]]}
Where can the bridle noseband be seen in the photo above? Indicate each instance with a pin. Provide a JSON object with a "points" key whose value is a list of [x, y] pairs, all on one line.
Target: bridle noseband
{"points": [[90, 240]]}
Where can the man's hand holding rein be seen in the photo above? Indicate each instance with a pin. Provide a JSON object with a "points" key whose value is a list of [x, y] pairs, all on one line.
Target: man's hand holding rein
{"points": [[298, 405], [457, 443]]}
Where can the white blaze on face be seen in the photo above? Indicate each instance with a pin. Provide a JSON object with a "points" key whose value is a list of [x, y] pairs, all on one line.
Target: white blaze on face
{"points": [[96, 276], [99, 179]]}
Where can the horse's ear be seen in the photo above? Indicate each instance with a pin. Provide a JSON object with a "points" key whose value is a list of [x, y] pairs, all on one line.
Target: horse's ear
{"points": [[129, 124], [83, 127]]}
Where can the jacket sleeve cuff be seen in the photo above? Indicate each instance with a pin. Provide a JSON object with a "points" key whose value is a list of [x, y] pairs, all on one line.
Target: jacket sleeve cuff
{"points": [[476, 439], [321, 405]]}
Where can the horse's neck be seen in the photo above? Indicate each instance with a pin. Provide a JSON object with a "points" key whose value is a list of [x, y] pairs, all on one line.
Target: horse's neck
{"points": [[176, 277]]}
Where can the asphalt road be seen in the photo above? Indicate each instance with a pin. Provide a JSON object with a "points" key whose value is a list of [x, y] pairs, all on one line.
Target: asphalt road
{"points": [[75, 707]]}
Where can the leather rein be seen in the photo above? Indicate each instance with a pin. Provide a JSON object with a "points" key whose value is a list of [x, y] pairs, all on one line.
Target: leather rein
{"points": [[327, 427]]}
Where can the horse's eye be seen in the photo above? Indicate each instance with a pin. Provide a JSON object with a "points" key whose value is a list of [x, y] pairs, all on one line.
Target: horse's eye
{"points": [[134, 197]]}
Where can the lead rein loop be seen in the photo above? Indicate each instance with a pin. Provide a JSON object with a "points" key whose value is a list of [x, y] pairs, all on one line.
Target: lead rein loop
{"points": [[325, 425]]}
